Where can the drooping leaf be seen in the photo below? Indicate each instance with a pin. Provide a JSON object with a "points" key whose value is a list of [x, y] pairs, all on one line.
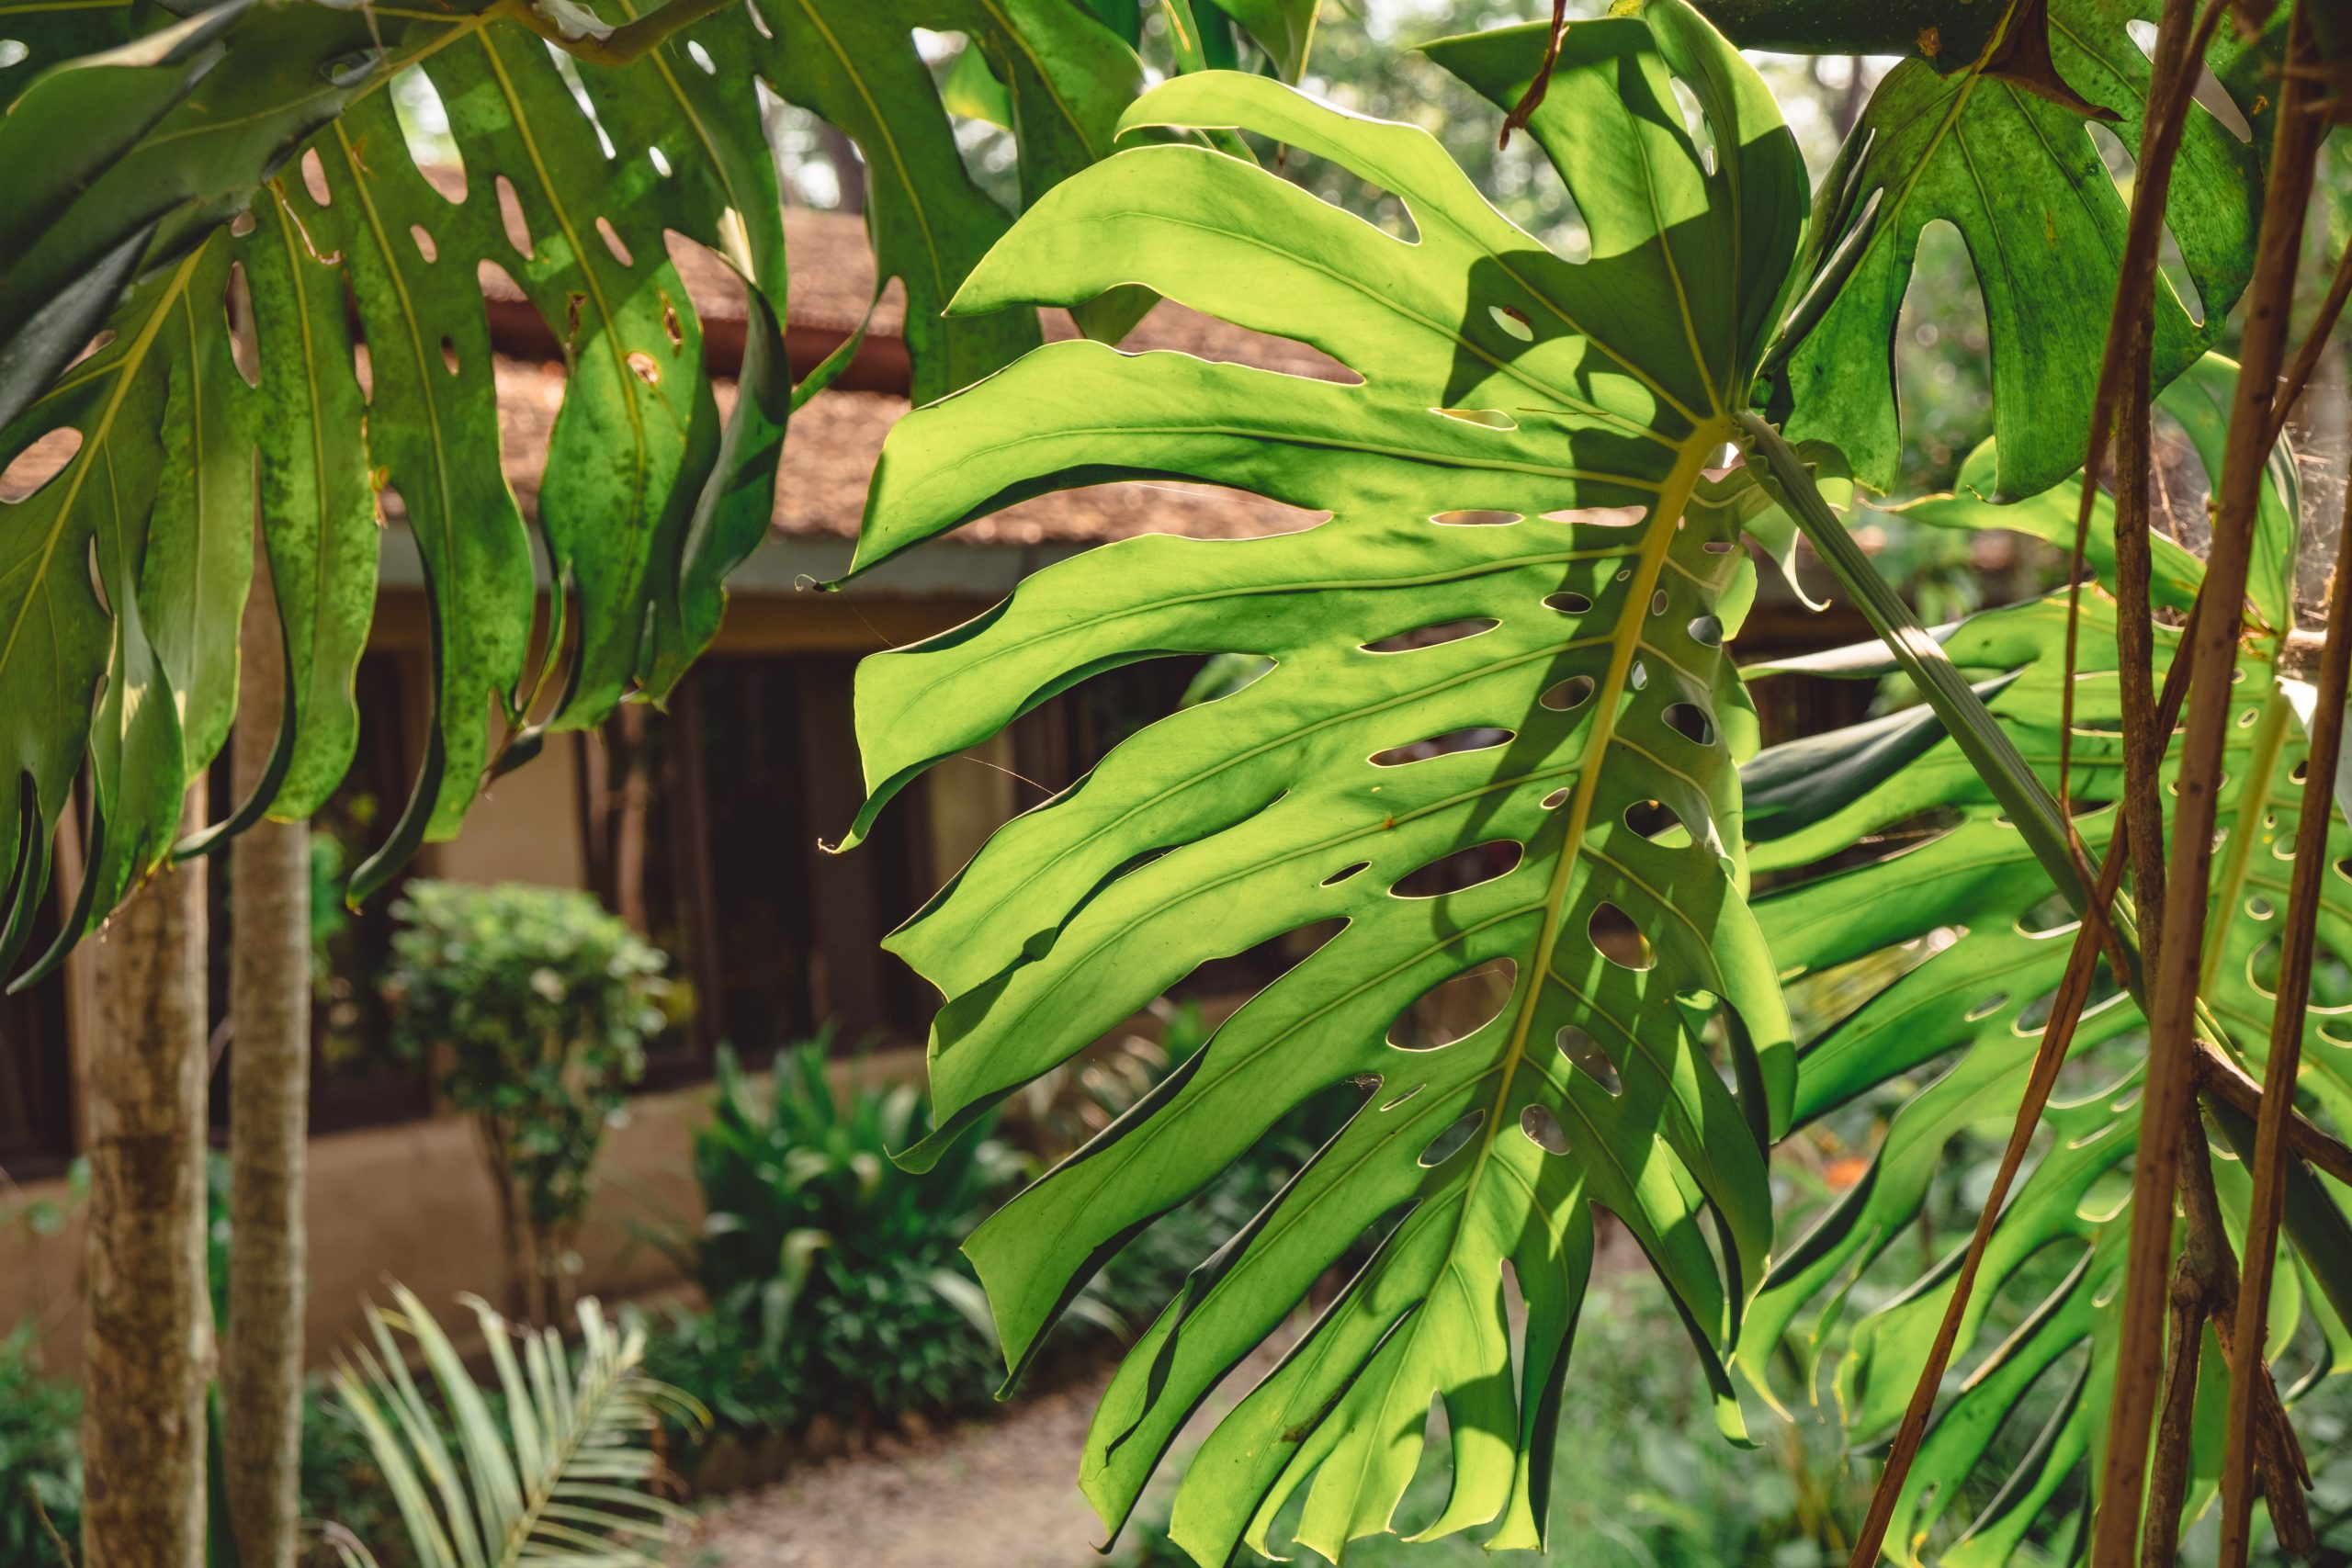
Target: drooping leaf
{"points": [[2024, 182], [1963, 1012], [1513, 469]]}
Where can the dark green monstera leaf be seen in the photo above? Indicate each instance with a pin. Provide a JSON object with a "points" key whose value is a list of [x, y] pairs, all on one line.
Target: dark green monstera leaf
{"points": [[372, 368], [1506, 574], [2023, 181], [1965, 1009]]}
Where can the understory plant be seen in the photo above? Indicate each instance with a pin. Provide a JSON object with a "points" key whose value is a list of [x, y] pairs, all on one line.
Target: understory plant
{"points": [[829, 1274], [532, 1007]]}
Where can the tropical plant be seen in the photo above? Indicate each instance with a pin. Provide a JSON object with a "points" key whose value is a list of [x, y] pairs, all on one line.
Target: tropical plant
{"points": [[831, 1274], [1497, 734], [1500, 382], [568, 1475], [532, 1007]]}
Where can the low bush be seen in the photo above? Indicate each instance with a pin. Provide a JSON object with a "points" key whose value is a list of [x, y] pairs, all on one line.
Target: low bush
{"points": [[832, 1276], [533, 1005]]}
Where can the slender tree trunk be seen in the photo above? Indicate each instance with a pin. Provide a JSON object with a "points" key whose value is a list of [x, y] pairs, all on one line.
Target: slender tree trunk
{"points": [[148, 1350], [269, 1009]]}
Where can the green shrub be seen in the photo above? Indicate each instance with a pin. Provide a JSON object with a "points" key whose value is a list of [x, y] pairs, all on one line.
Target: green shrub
{"points": [[832, 1274], [40, 1464], [533, 1005]]}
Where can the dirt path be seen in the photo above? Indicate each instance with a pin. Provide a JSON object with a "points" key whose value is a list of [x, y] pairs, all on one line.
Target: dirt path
{"points": [[996, 1493]]}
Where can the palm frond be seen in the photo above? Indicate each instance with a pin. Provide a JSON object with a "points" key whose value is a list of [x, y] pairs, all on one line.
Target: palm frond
{"points": [[557, 1471]]}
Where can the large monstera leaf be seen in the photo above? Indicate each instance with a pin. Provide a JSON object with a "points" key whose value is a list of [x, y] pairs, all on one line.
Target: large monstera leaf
{"points": [[1966, 1015], [278, 114], [1511, 469], [2022, 179]]}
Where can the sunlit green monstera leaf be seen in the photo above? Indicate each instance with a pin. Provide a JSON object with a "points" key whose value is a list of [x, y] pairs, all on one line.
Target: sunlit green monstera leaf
{"points": [[1964, 1011], [1513, 469], [2023, 180]]}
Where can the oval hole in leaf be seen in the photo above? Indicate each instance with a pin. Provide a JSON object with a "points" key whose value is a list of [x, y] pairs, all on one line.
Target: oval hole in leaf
{"points": [[1638, 678], [1658, 822], [1556, 799], [40, 461], [1475, 739], [314, 177], [1435, 634], [1690, 721], [1600, 516], [1456, 1008], [613, 241], [1618, 938], [1707, 631], [1453, 1141], [1462, 868], [1570, 694], [1404, 1097], [1473, 517], [1585, 1055], [1568, 602], [1988, 1008], [1344, 872], [1658, 601], [1512, 320], [1492, 419], [2048, 917], [510, 217], [425, 245], [1543, 1129], [449, 356], [1717, 546]]}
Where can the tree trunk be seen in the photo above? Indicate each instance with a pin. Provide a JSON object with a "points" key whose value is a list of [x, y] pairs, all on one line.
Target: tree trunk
{"points": [[148, 1349], [269, 1010]]}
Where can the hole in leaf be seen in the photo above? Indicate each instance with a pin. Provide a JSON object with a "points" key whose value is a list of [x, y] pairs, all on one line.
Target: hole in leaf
{"points": [[701, 57], [1453, 872], [1454, 1009], [1717, 546], [1988, 1008], [1568, 602], [1432, 636], [1512, 320], [510, 217], [425, 245], [41, 460], [1473, 739], [12, 52], [1659, 602], [1618, 938], [1624, 516], [1585, 1055], [1690, 721], [612, 238], [1453, 1141], [1707, 631], [1492, 419], [1554, 800], [1570, 694], [2260, 908], [641, 364], [1404, 1097], [1474, 518], [1658, 822], [424, 127], [1638, 677], [314, 177], [449, 356], [1543, 1129], [1345, 872]]}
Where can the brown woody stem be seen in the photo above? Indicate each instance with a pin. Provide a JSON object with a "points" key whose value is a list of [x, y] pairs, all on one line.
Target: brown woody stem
{"points": [[2212, 654]]}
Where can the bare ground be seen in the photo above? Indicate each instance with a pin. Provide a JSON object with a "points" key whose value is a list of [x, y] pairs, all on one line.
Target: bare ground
{"points": [[994, 1493]]}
